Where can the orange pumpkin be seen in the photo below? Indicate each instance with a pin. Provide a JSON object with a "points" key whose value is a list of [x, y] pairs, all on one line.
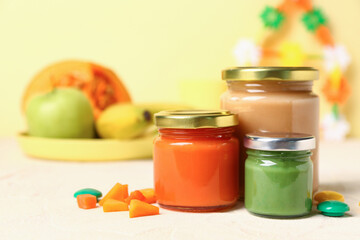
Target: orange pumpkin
{"points": [[101, 85]]}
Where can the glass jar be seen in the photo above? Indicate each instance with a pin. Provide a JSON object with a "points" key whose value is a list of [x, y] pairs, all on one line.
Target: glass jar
{"points": [[196, 158], [278, 174], [273, 99]]}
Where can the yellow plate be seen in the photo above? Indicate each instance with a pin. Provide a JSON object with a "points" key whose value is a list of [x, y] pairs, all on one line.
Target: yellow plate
{"points": [[86, 149]]}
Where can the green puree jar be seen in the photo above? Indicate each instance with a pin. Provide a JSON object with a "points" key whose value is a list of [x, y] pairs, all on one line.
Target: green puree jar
{"points": [[279, 174]]}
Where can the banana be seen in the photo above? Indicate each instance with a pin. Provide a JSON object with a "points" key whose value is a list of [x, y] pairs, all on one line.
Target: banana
{"points": [[123, 121], [127, 121]]}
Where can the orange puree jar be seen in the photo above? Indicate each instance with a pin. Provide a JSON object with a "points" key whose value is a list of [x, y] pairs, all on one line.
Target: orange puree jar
{"points": [[196, 160]]}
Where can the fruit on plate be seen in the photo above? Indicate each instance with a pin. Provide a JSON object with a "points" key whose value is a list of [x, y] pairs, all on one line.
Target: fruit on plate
{"points": [[100, 85], [123, 121], [61, 113]]}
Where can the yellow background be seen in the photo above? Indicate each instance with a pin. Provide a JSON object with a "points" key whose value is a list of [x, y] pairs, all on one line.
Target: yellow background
{"points": [[153, 45]]}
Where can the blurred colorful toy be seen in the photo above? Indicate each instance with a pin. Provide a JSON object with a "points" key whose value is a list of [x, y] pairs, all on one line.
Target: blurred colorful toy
{"points": [[247, 52], [335, 57]]}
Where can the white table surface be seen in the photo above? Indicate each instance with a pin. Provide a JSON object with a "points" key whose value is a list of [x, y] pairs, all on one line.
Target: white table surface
{"points": [[37, 202]]}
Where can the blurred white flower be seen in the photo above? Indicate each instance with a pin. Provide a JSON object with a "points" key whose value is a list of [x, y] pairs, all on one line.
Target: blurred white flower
{"points": [[334, 129], [336, 56], [247, 52]]}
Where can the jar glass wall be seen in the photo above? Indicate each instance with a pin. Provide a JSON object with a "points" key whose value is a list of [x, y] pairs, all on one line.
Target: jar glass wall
{"points": [[196, 169], [279, 174], [278, 184], [268, 99]]}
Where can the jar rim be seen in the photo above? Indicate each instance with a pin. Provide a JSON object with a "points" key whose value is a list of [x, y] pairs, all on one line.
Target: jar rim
{"points": [[270, 73], [279, 141], [193, 119]]}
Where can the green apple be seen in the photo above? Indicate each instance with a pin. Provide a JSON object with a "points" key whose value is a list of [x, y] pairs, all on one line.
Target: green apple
{"points": [[61, 113]]}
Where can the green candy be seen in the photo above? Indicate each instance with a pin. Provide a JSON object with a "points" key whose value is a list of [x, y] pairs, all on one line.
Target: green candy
{"points": [[333, 208], [91, 191]]}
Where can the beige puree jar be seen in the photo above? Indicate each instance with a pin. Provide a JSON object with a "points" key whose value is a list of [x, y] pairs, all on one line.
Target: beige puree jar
{"points": [[273, 99]]}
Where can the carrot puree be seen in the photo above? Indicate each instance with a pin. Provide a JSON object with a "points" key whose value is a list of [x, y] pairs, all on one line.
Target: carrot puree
{"points": [[196, 169]]}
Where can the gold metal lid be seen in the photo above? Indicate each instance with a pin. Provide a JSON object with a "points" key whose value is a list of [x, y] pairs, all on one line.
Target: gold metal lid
{"points": [[192, 119], [270, 73]]}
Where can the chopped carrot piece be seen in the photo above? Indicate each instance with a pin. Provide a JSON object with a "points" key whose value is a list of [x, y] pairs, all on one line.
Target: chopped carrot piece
{"points": [[117, 192], [139, 209], [112, 205], [149, 194], [135, 195], [86, 201]]}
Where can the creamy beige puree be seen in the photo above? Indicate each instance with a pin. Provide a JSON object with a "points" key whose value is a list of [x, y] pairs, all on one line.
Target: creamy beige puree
{"points": [[273, 100]]}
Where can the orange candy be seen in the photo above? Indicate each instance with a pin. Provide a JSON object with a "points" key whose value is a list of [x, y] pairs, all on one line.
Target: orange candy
{"points": [[118, 192], [149, 194], [139, 209], [86, 201], [112, 205]]}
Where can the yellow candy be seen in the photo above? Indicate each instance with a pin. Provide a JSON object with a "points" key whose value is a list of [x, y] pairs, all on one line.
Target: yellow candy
{"points": [[328, 195]]}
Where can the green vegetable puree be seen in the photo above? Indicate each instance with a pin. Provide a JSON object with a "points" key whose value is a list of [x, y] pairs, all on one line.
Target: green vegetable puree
{"points": [[278, 183]]}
